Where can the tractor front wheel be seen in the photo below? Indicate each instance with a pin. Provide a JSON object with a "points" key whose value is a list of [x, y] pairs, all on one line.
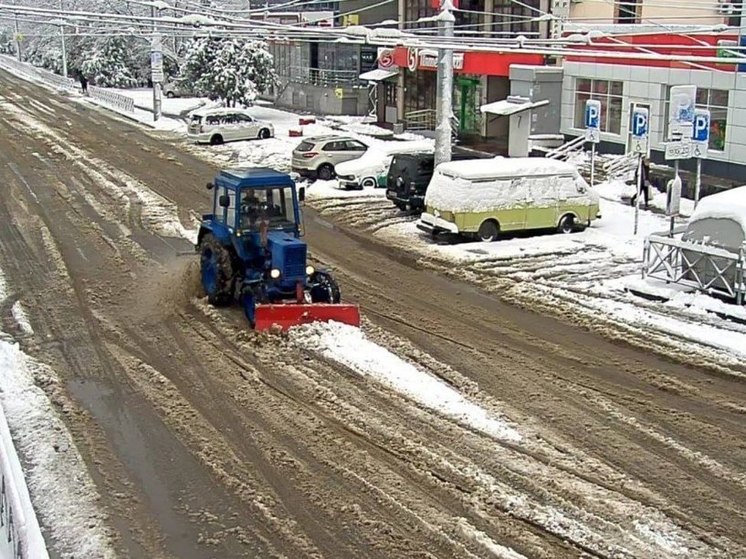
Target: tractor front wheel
{"points": [[324, 288], [216, 270]]}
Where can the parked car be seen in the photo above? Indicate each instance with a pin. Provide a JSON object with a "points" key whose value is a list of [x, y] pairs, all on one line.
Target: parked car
{"points": [[408, 177], [178, 87], [719, 222], [318, 157], [484, 197], [215, 126], [367, 171]]}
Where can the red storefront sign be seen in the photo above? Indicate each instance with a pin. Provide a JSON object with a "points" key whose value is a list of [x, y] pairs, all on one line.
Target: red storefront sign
{"points": [[478, 63], [665, 43]]}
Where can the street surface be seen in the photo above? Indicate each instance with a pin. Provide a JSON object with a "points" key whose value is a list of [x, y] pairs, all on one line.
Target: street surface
{"points": [[206, 440]]}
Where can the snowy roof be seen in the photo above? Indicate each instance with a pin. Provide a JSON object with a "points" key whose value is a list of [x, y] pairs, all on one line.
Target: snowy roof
{"points": [[729, 204], [483, 169]]}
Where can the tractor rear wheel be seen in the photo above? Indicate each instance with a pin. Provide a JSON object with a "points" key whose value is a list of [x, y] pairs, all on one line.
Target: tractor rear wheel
{"points": [[325, 288], [216, 270]]}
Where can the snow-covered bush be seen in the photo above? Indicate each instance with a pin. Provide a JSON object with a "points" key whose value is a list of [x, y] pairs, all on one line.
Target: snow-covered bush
{"points": [[6, 42], [234, 71]]}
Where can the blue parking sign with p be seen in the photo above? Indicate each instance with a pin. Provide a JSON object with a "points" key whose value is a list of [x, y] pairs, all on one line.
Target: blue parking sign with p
{"points": [[592, 114], [640, 122], [701, 126]]}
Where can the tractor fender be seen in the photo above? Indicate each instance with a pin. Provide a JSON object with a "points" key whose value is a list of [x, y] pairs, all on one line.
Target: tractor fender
{"points": [[218, 230]]}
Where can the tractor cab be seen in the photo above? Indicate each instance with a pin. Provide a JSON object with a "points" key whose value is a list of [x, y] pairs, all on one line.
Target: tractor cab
{"points": [[251, 250], [250, 200]]}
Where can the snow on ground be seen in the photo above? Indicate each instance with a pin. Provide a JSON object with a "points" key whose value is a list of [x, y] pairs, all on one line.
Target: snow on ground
{"points": [[61, 489], [21, 318], [349, 346], [330, 189]]}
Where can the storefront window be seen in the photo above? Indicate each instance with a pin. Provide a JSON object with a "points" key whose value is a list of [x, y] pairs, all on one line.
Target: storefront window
{"points": [[609, 93], [715, 101]]}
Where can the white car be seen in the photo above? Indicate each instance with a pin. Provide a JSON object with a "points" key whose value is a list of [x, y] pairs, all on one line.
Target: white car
{"points": [[215, 126], [365, 171]]}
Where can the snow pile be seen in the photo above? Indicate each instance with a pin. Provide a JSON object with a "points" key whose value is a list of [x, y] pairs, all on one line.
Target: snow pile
{"points": [[21, 318], [331, 189], [729, 204], [349, 346], [62, 489]]}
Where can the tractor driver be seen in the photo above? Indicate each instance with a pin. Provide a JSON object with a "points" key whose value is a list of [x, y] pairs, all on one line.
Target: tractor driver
{"points": [[252, 209]]}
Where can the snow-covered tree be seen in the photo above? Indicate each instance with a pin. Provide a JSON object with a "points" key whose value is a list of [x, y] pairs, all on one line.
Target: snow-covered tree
{"points": [[234, 71], [109, 65], [6, 42]]}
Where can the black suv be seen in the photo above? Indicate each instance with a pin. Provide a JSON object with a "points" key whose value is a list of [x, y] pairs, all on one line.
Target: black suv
{"points": [[408, 177]]}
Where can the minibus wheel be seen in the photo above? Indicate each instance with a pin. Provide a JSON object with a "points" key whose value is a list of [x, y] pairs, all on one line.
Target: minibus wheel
{"points": [[566, 224], [488, 231]]}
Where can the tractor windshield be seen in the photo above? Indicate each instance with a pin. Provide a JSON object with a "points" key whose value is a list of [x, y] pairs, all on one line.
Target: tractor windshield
{"points": [[271, 205]]}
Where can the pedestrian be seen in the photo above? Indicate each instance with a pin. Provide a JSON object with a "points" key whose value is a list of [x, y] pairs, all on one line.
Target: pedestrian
{"points": [[645, 186], [83, 82]]}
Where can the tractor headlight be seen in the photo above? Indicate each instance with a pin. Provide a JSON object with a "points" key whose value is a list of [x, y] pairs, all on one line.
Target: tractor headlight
{"points": [[274, 273], [310, 270]]}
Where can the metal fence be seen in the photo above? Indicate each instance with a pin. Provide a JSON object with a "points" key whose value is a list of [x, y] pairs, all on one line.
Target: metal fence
{"points": [[25, 69], [703, 267], [324, 78], [111, 98], [20, 536]]}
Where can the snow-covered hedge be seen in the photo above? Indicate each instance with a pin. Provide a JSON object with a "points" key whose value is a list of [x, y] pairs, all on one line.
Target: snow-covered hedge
{"points": [[730, 204]]}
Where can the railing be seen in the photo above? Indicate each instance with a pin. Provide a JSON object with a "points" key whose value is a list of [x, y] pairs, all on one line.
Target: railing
{"points": [[426, 120], [619, 166], [29, 70], [705, 268], [113, 99], [565, 150], [323, 78], [20, 535]]}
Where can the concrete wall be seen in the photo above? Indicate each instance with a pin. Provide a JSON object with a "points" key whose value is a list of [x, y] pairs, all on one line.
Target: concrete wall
{"points": [[323, 100]]}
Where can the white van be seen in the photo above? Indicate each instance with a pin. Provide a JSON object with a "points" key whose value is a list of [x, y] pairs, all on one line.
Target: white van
{"points": [[484, 197]]}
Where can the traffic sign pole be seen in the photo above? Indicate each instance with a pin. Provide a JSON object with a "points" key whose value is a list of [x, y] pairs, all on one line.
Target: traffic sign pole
{"points": [[675, 178], [698, 182], [593, 164], [639, 192], [592, 129]]}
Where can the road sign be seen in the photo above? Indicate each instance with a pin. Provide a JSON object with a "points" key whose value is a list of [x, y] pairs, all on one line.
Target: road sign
{"points": [[639, 131], [681, 111], [593, 114], [640, 123], [682, 149], [701, 134], [156, 66], [592, 135]]}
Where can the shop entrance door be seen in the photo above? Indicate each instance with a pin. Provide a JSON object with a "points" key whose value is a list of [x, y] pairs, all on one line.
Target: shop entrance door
{"points": [[468, 114]]}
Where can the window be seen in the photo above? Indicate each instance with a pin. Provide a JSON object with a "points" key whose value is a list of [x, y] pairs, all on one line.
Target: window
{"points": [[353, 145], [609, 93], [628, 11], [334, 146], [716, 101]]}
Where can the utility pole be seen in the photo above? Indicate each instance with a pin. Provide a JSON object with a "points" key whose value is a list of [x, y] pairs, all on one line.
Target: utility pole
{"points": [[18, 34], [444, 109], [156, 66], [64, 49]]}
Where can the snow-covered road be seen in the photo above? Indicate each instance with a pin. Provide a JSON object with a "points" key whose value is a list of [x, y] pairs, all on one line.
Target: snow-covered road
{"points": [[451, 424]]}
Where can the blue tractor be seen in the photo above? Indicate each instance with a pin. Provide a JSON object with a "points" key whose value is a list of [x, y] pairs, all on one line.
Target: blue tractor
{"points": [[251, 251]]}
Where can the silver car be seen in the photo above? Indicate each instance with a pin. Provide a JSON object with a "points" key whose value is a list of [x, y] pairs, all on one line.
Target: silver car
{"points": [[215, 126], [316, 157]]}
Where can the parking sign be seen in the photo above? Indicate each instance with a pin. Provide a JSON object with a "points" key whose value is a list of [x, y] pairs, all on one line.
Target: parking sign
{"points": [[592, 113], [701, 134], [639, 131], [592, 120], [681, 111]]}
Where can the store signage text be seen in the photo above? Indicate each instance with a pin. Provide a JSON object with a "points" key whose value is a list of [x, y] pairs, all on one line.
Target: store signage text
{"points": [[427, 59]]}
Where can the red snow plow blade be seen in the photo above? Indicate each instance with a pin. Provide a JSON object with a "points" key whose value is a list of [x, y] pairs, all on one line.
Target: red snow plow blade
{"points": [[293, 314]]}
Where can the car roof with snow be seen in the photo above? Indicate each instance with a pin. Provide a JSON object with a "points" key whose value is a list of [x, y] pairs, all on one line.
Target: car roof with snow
{"points": [[217, 111], [327, 137], [486, 169], [729, 204]]}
